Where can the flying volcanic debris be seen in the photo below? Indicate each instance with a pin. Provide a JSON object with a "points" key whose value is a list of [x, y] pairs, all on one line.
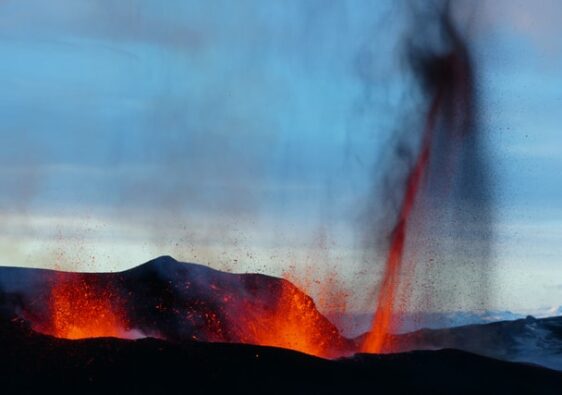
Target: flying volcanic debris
{"points": [[441, 235]]}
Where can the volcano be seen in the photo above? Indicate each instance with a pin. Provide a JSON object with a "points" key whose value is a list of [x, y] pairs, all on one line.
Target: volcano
{"points": [[167, 324], [171, 300], [184, 302]]}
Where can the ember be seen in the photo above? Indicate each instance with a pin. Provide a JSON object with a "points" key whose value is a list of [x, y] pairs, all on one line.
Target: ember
{"points": [[447, 78], [81, 309], [294, 323], [152, 300], [378, 341]]}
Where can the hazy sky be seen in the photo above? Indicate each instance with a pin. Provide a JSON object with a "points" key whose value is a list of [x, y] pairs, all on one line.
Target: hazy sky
{"points": [[244, 134]]}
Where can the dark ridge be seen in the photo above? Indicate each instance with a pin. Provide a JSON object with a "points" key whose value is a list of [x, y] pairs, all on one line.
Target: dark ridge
{"points": [[176, 301], [168, 299], [34, 363]]}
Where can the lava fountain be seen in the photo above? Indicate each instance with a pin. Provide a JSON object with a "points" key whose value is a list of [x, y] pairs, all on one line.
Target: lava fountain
{"points": [[82, 308], [377, 339], [446, 76]]}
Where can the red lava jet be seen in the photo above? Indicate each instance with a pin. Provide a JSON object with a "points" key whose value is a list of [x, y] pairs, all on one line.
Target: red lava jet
{"points": [[377, 340], [448, 80]]}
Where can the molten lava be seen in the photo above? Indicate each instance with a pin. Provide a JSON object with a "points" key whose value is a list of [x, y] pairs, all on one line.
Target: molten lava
{"points": [[249, 309], [294, 323], [81, 309], [378, 340], [447, 77]]}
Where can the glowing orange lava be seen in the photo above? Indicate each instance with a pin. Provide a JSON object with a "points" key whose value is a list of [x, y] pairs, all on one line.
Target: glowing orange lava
{"points": [[293, 323], [378, 339], [83, 309]]}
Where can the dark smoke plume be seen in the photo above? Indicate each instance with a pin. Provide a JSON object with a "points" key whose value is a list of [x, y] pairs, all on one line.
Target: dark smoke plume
{"points": [[455, 214], [440, 234]]}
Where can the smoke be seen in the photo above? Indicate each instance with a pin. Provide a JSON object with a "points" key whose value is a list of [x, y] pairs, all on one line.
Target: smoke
{"points": [[437, 189], [453, 228], [215, 132]]}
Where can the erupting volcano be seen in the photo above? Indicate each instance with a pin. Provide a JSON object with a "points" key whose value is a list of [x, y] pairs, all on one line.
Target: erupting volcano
{"points": [[178, 302], [334, 178], [174, 301]]}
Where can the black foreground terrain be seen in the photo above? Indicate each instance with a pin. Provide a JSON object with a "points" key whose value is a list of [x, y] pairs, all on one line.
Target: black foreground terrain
{"points": [[35, 363]]}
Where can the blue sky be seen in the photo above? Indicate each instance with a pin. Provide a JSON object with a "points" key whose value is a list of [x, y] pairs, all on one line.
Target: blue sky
{"points": [[244, 134]]}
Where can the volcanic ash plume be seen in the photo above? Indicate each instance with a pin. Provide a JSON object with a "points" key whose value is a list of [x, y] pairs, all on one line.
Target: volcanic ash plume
{"points": [[439, 242]]}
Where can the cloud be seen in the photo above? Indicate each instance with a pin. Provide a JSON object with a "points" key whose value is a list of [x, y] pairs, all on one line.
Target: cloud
{"points": [[539, 21], [536, 151], [100, 19]]}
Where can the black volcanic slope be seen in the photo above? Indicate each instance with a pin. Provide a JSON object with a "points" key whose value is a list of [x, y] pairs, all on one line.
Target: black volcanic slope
{"points": [[35, 363], [169, 299], [173, 300]]}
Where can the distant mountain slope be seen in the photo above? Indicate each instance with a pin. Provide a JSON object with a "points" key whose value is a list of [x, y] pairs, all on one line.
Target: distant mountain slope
{"points": [[530, 340]]}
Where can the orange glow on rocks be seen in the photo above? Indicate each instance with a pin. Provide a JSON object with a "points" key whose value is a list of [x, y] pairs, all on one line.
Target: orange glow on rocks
{"points": [[294, 323], [259, 310], [378, 339], [84, 309], [326, 288]]}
